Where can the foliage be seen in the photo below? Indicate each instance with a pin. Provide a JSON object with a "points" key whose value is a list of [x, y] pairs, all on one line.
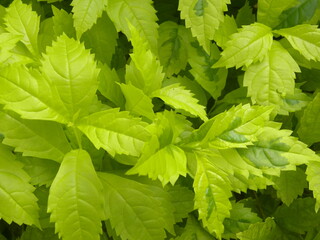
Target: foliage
{"points": [[159, 119]]}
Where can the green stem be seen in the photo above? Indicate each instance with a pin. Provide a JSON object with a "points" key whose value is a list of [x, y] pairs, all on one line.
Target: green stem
{"points": [[78, 136]]}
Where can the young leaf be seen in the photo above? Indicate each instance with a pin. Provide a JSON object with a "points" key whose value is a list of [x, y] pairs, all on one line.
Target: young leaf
{"points": [[251, 44], [73, 71], [42, 139], [173, 53], [272, 78], [76, 199], [181, 99], [114, 131], [145, 210], [30, 95], [22, 21], [203, 17], [86, 13], [18, 203], [140, 13], [304, 38], [212, 192], [309, 128]]}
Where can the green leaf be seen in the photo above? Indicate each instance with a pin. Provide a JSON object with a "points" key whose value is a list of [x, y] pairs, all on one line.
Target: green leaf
{"points": [[72, 69], [18, 203], [173, 53], [251, 44], [313, 177], [145, 210], [76, 199], [203, 17], [23, 22], [212, 192], [309, 128], [304, 38], [145, 71], [270, 10], [166, 164], [114, 131], [63, 23], [7, 42], [181, 99], [301, 13], [42, 139], [245, 15], [37, 234], [272, 78], [137, 102], [294, 102], [212, 80], [225, 30], [30, 94], [86, 13], [139, 13], [102, 39], [290, 185]]}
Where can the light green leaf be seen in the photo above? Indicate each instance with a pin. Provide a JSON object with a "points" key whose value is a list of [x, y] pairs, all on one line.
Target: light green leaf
{"points": [[236, 127], [86, 13], [145, 210], [180, 98], [63, 23], [309, 128], [290, 185], [7, 42], [114, 131], [212, 192], [304, 38], [313, 177], [139, 13], [42, 139], [46, 34], [166, 164], [225, 30], [294, 102], [173, 53], [212, 80], [76, 199], [30, 94], [72, 69], [272, 78], [22, 21], [102, 39], [18, 203], [251, 44], [270, 10], [203, 17], [145, 71], [137, 102]]}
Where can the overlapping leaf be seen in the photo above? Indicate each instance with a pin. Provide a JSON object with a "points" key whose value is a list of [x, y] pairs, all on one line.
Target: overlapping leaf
{"points": [[225, 30], [313, 177], [76, 198]]}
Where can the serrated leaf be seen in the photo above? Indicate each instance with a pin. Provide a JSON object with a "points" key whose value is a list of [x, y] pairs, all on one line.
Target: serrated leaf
{"points": [[42, 139], [114, 131], [236, 127], [212, 80], [245, 15], [294, 102], [249, 45], [304, 38], [212, 193], [226, 28], [173, 53], [309, 128], [166, 164], [62, 23], [22, 21], [76, 199], [180, 98], [102, 39], [140, 13], [300, 13], [272, 78], [7, 42], [18, 203], [145, 71], [146, 209], [30, 95], [203, 17], [290, 185], [86, 13], [313, 177], [72, 69], [270, 10], [137, 102], [37, 234]]}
